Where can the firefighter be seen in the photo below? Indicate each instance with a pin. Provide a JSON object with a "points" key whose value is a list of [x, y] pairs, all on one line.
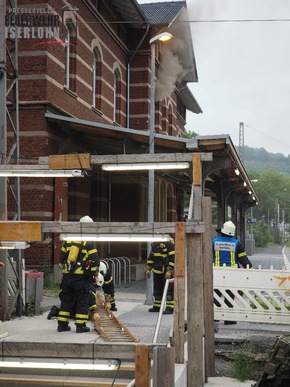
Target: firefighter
{"points": [[108, 287], [161, 262], [106, 282], [80, 261], [228, 252]]}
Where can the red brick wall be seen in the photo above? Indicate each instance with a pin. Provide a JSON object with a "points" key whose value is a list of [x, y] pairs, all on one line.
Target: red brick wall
{"points": [[41, 89]]}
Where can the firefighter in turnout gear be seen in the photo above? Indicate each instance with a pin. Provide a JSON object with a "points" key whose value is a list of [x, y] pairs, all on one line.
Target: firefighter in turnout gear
{"points": [[161, 262], [228, 252], [103, 280], [80, 261], [107, 284]]}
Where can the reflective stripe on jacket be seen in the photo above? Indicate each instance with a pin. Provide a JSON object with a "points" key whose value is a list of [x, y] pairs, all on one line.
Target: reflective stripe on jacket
{"points": [[225, 251]]}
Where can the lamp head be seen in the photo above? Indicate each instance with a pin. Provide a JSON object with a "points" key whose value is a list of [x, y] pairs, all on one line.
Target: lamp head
{"points": [[163, 37]]}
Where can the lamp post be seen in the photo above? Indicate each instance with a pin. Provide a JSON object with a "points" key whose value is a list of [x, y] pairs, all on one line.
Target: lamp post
{"points": [[163, 37]]}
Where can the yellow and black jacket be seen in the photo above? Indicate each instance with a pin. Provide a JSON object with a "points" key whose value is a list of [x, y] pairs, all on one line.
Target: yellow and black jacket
{"points": [[161, 256], [79, 258]]}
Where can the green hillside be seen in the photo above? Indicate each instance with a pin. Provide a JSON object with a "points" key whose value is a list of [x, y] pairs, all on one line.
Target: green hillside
{"points": [[259, 160]]}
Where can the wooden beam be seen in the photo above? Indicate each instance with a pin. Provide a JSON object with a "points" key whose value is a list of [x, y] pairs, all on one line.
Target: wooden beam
{"points": [[138, 158], [195, 312], [123, 351], [70, 161], [32, 231], [20, 231], [120, 227], [196, 169], [179, 293], [163, 367], [142, 366], [208, 289]]}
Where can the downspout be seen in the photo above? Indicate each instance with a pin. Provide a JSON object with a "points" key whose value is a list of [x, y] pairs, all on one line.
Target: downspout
{"points": [[128, 75]]}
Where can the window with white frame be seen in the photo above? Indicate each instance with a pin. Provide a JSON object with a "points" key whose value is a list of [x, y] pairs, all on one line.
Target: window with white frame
{"points": [[97, 80], [70, 56]]}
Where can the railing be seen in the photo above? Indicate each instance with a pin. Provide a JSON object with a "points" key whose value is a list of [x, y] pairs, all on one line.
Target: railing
{"points": [[120, 268], [252, 295]]}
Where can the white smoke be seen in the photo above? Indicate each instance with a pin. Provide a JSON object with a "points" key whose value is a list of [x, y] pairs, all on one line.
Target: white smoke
{"points": [[167, 75]]}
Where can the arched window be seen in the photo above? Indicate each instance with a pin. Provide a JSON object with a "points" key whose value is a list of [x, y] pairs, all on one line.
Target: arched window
{"points": [[117, 97], [164, 117], [170, 121], [163, 203], [70, 56], [97, 79]]}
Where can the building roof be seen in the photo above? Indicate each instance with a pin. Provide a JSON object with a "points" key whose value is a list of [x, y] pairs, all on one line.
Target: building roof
{"points": [[188, 99], [163, 12], [131, 12]]}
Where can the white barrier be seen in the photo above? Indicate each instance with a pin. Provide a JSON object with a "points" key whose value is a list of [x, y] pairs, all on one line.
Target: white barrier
{"points": [[259, 295]]}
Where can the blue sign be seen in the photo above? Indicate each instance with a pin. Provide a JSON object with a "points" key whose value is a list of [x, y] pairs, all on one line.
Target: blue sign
{"points": [[251, 220]]}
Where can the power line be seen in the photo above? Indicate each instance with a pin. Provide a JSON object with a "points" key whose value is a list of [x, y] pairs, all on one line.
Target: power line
{"points": [[189, 21], [271, 138]]}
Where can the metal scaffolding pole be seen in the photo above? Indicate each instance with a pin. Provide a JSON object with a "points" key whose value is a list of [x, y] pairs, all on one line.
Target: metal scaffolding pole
{"points": [[9, 117]]}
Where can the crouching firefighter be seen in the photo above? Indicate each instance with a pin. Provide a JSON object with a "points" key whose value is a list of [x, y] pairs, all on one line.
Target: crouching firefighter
{"points": [[80, 261], [161, 262]]}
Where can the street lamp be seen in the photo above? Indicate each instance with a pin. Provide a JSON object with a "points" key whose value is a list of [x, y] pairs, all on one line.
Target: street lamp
{"points": [[160, 38], [163, 37]]}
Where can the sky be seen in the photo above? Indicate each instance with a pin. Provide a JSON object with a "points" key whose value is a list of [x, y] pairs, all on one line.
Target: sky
{"points": [[242, 54]]}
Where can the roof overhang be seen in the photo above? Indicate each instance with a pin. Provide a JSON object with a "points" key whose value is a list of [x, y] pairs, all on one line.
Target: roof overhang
{"points": [[119, 134], [220, 146]]}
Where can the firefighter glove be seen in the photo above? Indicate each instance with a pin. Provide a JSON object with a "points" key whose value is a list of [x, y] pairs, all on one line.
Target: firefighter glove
{"points": [[107, 302], [168, 273], [148, 271]]}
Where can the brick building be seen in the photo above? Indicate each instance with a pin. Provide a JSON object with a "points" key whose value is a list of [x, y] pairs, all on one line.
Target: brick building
{"points": [[84, 87]]}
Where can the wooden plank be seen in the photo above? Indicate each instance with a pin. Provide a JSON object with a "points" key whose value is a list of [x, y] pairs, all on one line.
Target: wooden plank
{"points": [[141, 158], [195, 311], [179, 319], [197, 195], [47, 350], [179, 293], [163, 367], [20, 231], [70, 161], [121, 227], [179, 249], [196, 169], [208, 289], [142, 366]]}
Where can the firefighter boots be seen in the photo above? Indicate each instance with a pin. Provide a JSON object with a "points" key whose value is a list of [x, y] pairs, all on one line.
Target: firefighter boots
{"points": [[63, 326], [53, 312], [82, 328], [154, 309]]}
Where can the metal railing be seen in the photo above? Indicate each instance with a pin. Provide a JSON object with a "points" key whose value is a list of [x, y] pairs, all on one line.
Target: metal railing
{"points": [[120, 268]]}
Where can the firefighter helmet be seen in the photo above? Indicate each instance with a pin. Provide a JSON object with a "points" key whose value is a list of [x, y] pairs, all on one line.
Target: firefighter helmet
{"points": [[228, 228], [103, 268], [86, 219], [100, 282]]}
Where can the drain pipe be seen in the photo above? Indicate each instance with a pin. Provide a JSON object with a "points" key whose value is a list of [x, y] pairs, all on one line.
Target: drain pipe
{"points": [[128, 75]]}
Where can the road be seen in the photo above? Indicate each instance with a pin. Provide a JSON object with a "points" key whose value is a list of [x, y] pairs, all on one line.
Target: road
{"points": [[276, 256]]}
